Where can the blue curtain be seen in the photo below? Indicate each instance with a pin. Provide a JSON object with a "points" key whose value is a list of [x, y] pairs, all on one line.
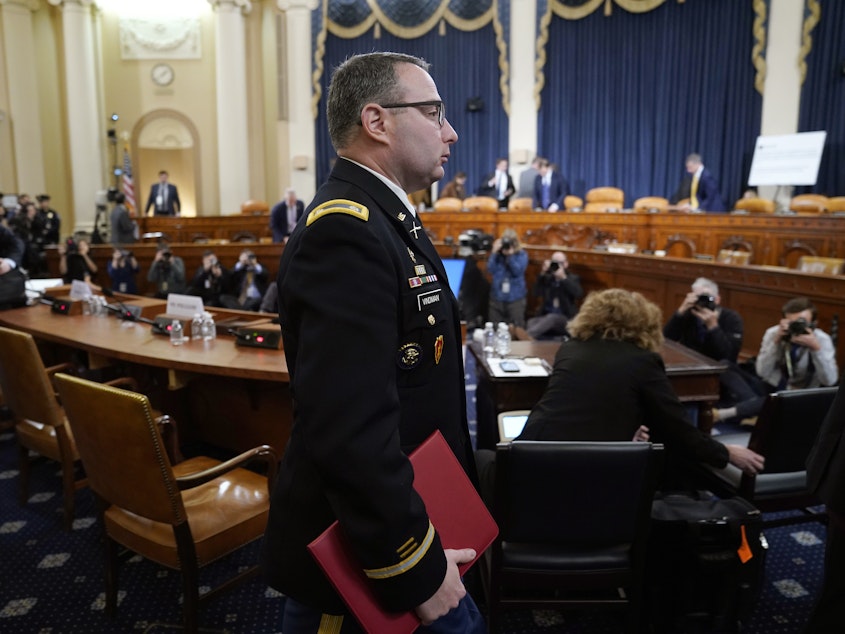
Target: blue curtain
{"points": [[464, 66], [823, 96], [628, 96]]}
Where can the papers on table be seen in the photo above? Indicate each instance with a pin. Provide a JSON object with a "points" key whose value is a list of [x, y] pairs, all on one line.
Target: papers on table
{"points": [[529, 366]]}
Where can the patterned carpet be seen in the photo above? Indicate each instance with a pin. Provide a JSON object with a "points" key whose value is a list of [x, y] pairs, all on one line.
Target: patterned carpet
{"points": [[52, 580]]}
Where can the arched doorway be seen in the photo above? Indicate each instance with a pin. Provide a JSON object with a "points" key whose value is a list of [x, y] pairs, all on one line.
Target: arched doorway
{"points": [[167, 140]]}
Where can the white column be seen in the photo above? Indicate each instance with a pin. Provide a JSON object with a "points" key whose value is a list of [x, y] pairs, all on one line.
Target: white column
{"points": [[522, 134], [22, 77], [297, 66], [84, 121], [782, 88], [232, 128]]}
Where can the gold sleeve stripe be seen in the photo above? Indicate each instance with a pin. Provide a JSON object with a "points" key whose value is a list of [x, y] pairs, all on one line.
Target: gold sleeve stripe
{"points": [[330, 624], [407, 549], [407, 563], [338, 206], [412, 540]]}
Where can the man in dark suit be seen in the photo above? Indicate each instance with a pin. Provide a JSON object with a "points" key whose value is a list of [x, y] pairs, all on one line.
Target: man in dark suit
{"points": [[826, 477], [550, 187], [372, 338], [700, 186], [164, 197], [284, 216], [498, 185], [11, 258]]}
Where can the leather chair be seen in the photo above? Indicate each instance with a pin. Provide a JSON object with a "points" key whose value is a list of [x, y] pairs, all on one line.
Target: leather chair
{"points": [[785, 431], [755, 205], [605, 199], [190, 514], [836, 204], [573, 523], [255, 207], [481, 204], [679, 246], [573, 203], [448, 203], [521, 204], [244, 236], [39, 420], [649, 203], [817, 264], [809, 203]]}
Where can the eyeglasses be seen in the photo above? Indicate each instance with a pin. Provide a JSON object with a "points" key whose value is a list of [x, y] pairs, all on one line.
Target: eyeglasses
{"points": [[441, 108]]}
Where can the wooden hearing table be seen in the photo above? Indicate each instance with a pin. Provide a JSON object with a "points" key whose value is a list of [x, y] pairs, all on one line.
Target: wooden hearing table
{"points": [[230, 396], [694, 377]]}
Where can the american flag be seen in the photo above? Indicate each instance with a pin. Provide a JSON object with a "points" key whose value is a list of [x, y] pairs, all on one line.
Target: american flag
{"points": [[127, 184]]}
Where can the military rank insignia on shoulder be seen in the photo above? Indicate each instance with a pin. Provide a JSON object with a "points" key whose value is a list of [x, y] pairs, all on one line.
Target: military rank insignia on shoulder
{"points": [[338, 206]]}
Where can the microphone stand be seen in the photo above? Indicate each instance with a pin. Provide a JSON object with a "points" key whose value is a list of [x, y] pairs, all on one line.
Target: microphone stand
{"points": [[124, 312]]}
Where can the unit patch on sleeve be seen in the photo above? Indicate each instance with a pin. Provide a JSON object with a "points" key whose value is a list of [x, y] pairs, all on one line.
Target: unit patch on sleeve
{"points": [[338, 206]]}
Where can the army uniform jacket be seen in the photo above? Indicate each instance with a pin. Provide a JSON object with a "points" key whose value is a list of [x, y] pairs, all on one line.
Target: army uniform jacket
{"points": [[372, 342]]}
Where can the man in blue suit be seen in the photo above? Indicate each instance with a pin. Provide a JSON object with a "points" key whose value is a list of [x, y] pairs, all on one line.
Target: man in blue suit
{"points": [[700, 187], [164, 197], [285, 215], [550, 187]]}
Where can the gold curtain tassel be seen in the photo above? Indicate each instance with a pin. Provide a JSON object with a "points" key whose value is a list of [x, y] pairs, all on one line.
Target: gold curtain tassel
{"points": [[441, 29], [377, 31], [608, 8]]}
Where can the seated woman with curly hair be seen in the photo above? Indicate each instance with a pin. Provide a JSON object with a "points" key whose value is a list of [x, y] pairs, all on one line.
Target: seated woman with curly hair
{"points": [[609, 383]]}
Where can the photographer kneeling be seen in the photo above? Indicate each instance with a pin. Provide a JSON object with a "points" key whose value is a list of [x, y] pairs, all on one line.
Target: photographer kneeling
{"points": [[167, 272], [795, 354], [122, 269], [560, 291]]}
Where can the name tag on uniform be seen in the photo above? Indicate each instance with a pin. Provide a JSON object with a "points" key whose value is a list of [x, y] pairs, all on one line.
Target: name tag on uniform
{"points": [[425, 300]]}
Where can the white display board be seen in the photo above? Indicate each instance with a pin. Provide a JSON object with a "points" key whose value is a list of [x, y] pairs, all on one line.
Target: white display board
{"points": [[788, 159]]}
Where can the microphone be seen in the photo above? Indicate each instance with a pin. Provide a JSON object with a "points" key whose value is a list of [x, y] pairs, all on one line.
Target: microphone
{"points": [[123, 311]]}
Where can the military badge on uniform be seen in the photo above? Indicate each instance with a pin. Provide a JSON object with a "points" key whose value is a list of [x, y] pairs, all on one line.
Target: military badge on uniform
{"points": [[438, 348], [432, 320], [413, 257], [415, 229], [409, 355], [413, 282], [419, 269], [401, 216]]}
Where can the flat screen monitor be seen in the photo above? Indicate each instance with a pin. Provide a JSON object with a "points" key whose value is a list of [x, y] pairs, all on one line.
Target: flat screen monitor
{"points": [[455, 273]]}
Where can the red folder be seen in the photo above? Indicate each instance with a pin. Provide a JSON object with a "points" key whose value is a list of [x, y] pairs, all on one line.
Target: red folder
{"points": [[457, 513]]}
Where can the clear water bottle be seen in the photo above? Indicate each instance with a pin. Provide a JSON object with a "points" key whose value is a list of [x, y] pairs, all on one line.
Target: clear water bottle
{"points": [[209, 329], [489, 339], [176, 334], [196, 327], [503, 340]]}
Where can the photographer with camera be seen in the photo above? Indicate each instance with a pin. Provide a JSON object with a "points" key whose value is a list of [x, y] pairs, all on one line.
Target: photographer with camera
{"points": [[248, 283], [560, 291], [74, 261], [795, 353], [703, 324], [506, 265], [210, 280], [167, 272], [122, 269]]}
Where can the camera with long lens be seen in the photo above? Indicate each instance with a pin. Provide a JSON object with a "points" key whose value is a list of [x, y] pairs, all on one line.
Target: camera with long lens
{"points": [[706, 301], [553, 266], [797, 327], [71, 247], [507, 244]]}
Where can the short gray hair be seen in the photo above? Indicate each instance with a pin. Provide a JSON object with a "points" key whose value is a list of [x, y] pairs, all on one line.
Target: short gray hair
{"points": [[707, 284], [360, 80]]}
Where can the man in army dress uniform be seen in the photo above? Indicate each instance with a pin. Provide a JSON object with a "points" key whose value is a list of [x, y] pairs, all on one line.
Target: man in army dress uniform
{"points": [[373, 348]]}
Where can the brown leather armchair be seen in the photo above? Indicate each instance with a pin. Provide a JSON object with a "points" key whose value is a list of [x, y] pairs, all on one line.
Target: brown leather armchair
{"points": [[40, 423], [809, 203], [448, 203], [190, 514], [255, 207], [649, 203], [520, 204], [605, 199], [755, 205], [481, 204]]}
